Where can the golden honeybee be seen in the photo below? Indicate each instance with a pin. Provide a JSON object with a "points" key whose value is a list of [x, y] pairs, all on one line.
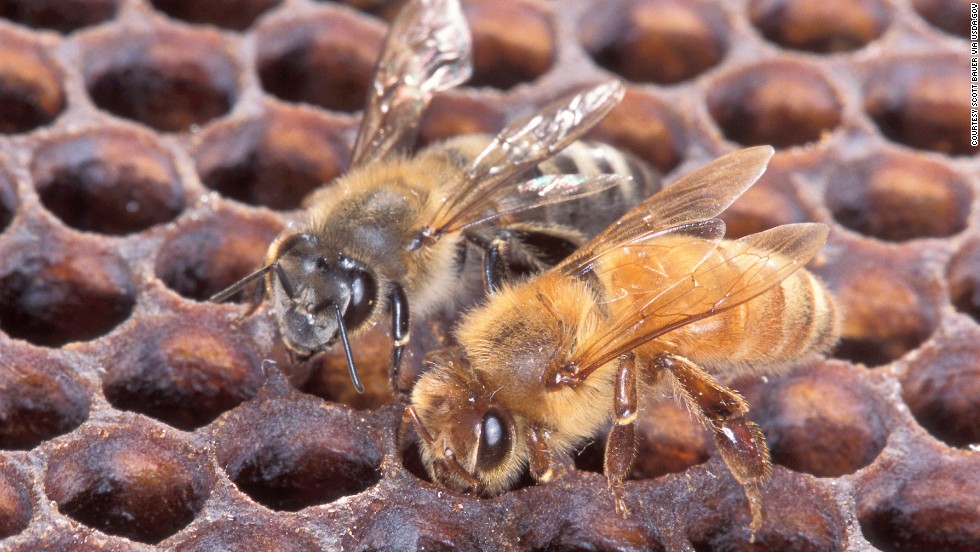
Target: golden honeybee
{"points": [[387, 237], [657, 304]]}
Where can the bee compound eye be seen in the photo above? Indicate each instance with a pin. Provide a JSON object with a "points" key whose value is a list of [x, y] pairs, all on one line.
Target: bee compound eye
{"points": [[495, 440], [363, 297], [300, 242]]}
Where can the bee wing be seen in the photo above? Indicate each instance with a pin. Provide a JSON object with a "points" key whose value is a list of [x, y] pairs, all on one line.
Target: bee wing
{"points": [[490, 186], [685, 286], [546, 190], [700, 195], [427, 49]]}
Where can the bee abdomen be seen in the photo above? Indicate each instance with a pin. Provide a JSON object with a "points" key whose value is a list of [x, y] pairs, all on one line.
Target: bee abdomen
{"points": [[592, 214], [589, 215], [592, 158], [823, 321], [767, 334], [793, 320]]}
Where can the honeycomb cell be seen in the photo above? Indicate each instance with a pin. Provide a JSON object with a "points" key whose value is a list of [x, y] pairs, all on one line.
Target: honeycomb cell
{"points": [[31, 91], [39, 400], [780, 103], [889, 306], [171, 80], [453, 114], [130, 481], [554, 517], [8, 200], [110, 181], [230, 14], [942, 386], [411, 457], [643, 125], [963, 276], [771, 201], [397, 525], [55, 292], [371, 353], [16, 508], [929, 506], [274, 161], [798, 516], [820, 420], [951, 16], [209, 254], [513, 42], [899, 197], [258, 535], [184, 371], [292, 452], [910, 102], [326, 59], [63, 16], [78, 539], [658, 41], [821, 27]]}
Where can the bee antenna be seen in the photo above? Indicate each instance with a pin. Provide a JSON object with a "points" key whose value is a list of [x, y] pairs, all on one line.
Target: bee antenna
{"points": [[350, 359], [226, 293]]}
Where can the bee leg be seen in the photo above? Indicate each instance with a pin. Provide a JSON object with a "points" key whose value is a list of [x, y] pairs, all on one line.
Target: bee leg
{"points": [[410, 418], [257, 297], [494, 268], [398, 305], [544, 464], [621, 443], [495, 251], [739, 440], [538, 246]]}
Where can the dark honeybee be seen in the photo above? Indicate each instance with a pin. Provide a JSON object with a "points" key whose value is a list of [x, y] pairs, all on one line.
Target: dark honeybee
{"points": [[386, 237], [657, 304]]}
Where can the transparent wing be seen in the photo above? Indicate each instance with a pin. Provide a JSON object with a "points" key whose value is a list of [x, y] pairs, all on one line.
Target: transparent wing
{"points": [[546, 190], [428, 49], [647, 300], [702, 194], [493, 175]]}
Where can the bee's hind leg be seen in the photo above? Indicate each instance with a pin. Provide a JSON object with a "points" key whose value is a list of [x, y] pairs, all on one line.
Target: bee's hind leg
{"points": [[739, 440], [621, 443]]}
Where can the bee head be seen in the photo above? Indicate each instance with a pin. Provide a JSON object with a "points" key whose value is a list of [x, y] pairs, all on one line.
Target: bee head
{"points": [[316, 291], [468, 441]]}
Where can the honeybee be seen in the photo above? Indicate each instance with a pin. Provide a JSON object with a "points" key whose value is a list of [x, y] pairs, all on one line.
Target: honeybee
{"points": [[657, 304], [386, 237]]}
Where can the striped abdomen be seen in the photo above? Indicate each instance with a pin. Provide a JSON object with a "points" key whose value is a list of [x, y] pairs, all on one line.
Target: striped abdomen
{"points": [[589, 215], [593, 214], [792, 320]]}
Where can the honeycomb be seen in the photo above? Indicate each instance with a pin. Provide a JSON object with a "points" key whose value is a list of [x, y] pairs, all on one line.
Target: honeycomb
{"points": [[151, 149]]}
